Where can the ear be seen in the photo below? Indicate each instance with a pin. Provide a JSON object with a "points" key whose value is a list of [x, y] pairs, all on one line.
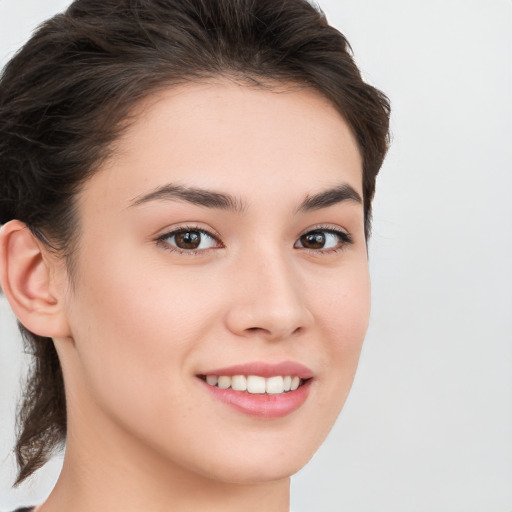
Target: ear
{"points": [[28, 278]]}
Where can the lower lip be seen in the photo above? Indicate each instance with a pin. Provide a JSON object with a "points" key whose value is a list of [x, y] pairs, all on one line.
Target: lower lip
{"points": [[262, 405]]}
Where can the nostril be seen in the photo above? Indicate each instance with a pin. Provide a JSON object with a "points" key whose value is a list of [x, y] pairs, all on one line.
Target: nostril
{"points": [[279, 334], [256, 329]]}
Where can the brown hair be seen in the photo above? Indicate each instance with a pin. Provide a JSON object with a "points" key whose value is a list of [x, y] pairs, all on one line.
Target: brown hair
{"points": [[65, 95]]}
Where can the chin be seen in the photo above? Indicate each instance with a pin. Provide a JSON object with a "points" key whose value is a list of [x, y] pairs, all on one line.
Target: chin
{"points": [[259, 474], [249, 466]]}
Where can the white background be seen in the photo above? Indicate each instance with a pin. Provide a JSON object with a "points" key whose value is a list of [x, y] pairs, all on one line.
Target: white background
{"points": [[428, 425]]}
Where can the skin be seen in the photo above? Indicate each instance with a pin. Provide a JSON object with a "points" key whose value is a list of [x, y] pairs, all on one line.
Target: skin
{"points": [[140, 319]]}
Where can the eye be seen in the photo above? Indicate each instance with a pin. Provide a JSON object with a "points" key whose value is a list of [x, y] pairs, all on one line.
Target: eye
{"points": [[323, 240], [189, 240]]}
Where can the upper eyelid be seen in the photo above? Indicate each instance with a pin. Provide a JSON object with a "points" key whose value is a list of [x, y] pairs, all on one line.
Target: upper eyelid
{"points": [[215, 235], [329, 228], [189, 227]]}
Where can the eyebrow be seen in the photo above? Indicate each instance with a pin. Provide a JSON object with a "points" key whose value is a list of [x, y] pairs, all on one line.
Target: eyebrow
{"points": [[223, 201], [330, 197], [199, 196]]}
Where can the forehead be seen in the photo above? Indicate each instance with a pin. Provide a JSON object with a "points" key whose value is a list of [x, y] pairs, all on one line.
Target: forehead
{"points": [[237, 138]]}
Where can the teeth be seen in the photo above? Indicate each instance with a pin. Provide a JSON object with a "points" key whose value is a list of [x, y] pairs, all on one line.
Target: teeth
{"points": [[274, 385], [212, 380], [255, 384], [239, 383], [224, 382]]}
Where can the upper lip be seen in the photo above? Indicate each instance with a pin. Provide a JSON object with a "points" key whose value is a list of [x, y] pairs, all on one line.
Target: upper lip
{"points": [[264, 369]]}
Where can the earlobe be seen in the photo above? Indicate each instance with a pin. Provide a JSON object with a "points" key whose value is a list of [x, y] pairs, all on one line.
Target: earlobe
{"points": [[27, 280]]}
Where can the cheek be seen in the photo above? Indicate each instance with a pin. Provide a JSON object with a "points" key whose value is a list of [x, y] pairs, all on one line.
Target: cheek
{"points": [[343, 321], [129, 298], [133, 324], [344, 310]]}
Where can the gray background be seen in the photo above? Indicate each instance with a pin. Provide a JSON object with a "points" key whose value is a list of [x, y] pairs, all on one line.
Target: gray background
{"points": [[428, 425]]}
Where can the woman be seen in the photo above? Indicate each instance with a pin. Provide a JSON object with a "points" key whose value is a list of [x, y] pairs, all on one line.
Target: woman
{"points": [[186, 200]]}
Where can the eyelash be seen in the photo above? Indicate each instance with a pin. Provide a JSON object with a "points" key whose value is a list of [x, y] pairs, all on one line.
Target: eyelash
{"points": [[343, 237], [162, 240]]}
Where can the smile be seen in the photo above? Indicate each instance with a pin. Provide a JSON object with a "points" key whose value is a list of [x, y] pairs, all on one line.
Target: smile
{"points": [[255, 384], [260, 389]]}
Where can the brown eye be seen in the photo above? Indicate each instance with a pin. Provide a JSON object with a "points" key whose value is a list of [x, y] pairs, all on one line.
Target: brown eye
{"points": [[323, 240], [189, 240], [313, 240]]}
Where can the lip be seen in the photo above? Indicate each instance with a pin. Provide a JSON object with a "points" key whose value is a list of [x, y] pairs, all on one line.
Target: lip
{"points": [[266, 370], [263, 405]]}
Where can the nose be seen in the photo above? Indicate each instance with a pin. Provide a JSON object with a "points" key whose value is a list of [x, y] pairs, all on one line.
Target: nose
{"points": [[268, 300]]}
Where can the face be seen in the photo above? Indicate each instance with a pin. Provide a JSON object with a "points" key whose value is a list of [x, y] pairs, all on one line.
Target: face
{"points": [[222, 246]]}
